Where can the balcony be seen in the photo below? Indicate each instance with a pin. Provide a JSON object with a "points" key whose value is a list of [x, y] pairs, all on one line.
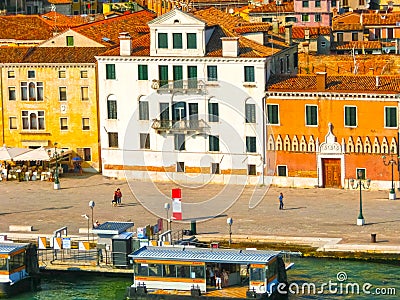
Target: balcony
{"points": [[182, 126], [184, 86]]}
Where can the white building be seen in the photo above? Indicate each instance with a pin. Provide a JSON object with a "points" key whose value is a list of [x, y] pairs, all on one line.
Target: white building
{"points": [[185, 102]]}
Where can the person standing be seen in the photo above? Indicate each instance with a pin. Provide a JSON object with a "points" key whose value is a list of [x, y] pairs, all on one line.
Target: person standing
{"points": [[118, 195], [280, 201], [218, 275]]}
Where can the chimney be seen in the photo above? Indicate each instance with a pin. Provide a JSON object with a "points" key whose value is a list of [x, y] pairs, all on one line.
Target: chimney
{"points": [[125, 44], [288, 34], [230, 46], [321, 81]]}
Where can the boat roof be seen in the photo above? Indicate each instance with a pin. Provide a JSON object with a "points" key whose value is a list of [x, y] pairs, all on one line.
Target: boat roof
{"points": [[6, 248], [112, 228], [235, 256]]}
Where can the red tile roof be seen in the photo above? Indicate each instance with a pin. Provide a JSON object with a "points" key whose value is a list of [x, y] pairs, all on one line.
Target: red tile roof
{"points": [[361, 45], [22, 27], [339, 26], [347, 18], [252, 27], [381, 18], [63, 22], [298, 32], [49, 55], [345, 84], [285, 7], [213, 16]]}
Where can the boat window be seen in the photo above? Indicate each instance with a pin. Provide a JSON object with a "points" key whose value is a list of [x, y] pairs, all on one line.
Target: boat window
{"points": [[257, 274], [142, 269], [272, 269], [197, 272], [17, 261], [3, 264], [155, 270], [183, 272], [169, 270]]}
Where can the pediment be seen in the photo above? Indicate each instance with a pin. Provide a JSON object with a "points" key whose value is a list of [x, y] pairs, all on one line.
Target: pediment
{"points": [[176, 17], [79, 40]]}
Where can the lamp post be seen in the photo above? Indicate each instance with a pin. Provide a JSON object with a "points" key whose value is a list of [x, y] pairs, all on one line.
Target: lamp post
{"points": [[360, 183], [392, 161], [91, 205], [167, 207], [56, 155], [229, 221], [87, 218]]}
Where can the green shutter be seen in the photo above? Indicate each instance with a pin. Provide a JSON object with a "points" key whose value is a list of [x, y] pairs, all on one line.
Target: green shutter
{"points": [[162, 40], [192, 77], [391, 117], [177, 40], [311, 115], [251, 144], [213, 143], [212, 73], [143, 110], [70, 40], [191, 41], [213, 114], [110, 71], [142, 72], [350, 116], [273, 114], [163, 75], [249, 74], [250, 113], [178, 76]]}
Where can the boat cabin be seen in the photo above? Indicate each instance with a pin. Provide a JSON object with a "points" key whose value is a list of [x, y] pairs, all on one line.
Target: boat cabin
{"points": [[185, 268]]}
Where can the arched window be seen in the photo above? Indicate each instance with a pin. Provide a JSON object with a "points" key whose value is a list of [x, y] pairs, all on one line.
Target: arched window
{"points": [[112, 107]]}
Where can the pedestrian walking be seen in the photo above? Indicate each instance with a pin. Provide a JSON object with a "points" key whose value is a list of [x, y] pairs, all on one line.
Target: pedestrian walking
{"points": [[280, 201]]}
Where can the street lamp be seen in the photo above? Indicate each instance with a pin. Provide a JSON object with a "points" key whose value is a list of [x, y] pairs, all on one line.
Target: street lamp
{"points": [[87, 218], [360, 183], [392, 161], [229, 221], [167, 207], [91, 205], [56, 155]]}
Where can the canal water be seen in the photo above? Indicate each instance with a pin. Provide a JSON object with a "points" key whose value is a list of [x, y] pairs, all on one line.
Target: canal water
{"points": [[332, 279]]}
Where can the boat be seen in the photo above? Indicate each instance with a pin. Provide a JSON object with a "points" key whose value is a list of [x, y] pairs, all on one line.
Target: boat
{"points": [[182, 272], [19, 268]]}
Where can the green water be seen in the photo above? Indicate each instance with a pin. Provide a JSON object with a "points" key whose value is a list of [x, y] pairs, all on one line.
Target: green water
{"points": [[71, 286]]}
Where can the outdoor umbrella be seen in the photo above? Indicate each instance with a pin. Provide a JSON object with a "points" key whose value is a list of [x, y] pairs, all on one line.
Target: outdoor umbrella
{"points": [[8, 153], [35, 154]]}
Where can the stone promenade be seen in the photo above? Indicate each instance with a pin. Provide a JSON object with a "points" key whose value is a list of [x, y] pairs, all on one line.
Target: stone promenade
{"points": [[322, 217]]}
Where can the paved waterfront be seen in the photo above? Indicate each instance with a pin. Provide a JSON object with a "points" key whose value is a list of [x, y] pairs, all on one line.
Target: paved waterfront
{"points": [[309, 213]]}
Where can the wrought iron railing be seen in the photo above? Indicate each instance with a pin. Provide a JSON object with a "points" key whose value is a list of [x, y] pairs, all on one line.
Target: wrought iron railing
{"points": [[190, 85], [181, 125]]}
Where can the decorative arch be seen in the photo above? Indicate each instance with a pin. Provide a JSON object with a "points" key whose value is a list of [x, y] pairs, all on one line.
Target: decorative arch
{"points": [[295, 144], [376, 148], [384, 146], [350, 144], [303, 144], [311, 144], [287, 145], [393, 146], [271, 142], [359, 146], [279, 143], [367, 145]]}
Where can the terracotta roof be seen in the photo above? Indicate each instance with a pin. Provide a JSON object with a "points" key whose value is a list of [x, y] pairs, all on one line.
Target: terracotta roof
{"points": [[339, 26], [59, 1], [63, 22], [361, 45], [381, 18], [298, 32], [213, 16], [20, 27], [345, 84], [135, 24], [348, 18], [49, 55], [286, 7], [252, 27]]}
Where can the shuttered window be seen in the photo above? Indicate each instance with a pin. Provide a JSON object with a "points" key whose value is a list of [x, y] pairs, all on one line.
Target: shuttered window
{"points": [[249, 74], [213, 114], [143, 110], [112, 109], [110, 71], [113, 139], [273, 114], [250, 113], [177, 40], [350, 116], [191, 41], [391, 117], [311, 115], [212, 73], [251, 144], [162, 40], [163, 75], [213, 143], [142, 72]]}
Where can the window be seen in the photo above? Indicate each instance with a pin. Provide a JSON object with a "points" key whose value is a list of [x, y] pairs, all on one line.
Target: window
{"points": [[192, 77], [63, 124], [11, 74], [113, 139], [340, 38], [305, 18], [143, 110], [11, 93], [311, 115], [345, 3], [377, 33], [213, 114], [251, 144], [62, 74], [62, 93], [213, 143], [177, 75], [177, 40], [110, 71], [390, 33], [32, 90], [215, 168], [323, 44], [361, 173], [85, 124], [179, 140], [273, 114], [306, 4], [251, 170], [180, 166], [350, 116], [163, 75], [282, 170], [112, 108], [162, 40], [31, 74], [142, 72], [191, 41], [33, 120], [250, 113], [249, 74], [84, 74], [354, 36], [267, 19], [70, 41], [281, 65], [317, 18], [144, 141], [361, 2], [84, 93], [84, 153], [333, 3], [317, 3], [391, 117], [287, 63], [13, 122], [212, 74]]}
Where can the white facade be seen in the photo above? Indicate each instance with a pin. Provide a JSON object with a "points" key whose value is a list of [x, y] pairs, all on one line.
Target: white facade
{"points": [[155, 113]]}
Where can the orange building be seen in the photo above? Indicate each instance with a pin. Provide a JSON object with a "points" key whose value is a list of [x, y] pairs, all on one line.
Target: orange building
{"points": [[324, 129]]}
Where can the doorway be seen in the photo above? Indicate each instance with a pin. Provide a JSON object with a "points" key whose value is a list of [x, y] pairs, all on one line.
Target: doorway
{"points": [[331, 173]]}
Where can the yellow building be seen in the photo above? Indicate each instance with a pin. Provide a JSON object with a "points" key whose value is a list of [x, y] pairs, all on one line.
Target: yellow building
{"points": [[49, 95]]}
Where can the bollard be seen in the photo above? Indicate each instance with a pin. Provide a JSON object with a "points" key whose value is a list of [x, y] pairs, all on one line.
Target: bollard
{"points": [[373, 237]]}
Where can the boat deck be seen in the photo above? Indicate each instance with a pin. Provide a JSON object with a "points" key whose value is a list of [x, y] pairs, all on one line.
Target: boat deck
{"points": [[231, 292]]}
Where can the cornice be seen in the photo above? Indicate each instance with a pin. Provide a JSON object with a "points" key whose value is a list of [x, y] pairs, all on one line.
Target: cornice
{"points": [[372, 96], [179, 59]]}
